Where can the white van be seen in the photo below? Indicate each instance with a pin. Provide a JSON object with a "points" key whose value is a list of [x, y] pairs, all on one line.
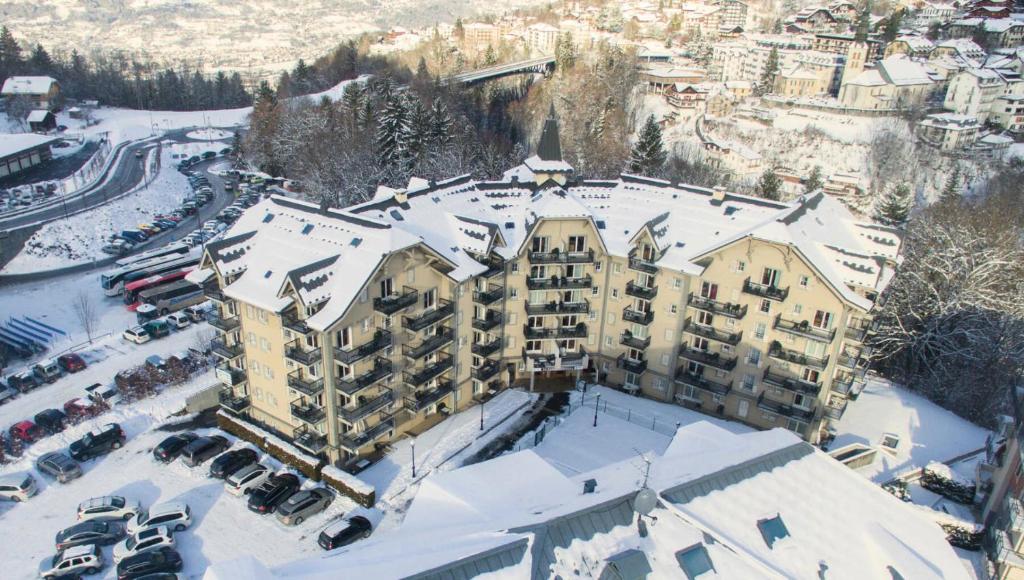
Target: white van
{"points": [[47, 370], [18, 487]]}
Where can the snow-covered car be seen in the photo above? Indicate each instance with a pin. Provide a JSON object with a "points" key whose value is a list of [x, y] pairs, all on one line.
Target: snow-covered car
{"points": [[108, 507], [103, 394], [247, 479], [178, 320], [173, 515], [72, 563], [144, 541], [304, 504], [18, 487], [137, 334], [60, 466]]}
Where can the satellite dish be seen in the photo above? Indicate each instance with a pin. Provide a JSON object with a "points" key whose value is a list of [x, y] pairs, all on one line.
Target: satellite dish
{"points": [[645, 502]]}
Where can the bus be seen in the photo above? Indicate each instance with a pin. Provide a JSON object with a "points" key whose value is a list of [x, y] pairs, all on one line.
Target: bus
{"points": [[132, 289], [172, 297], [113, 281], [175, 249]]}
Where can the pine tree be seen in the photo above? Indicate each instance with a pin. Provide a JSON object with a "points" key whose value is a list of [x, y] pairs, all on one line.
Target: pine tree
{"points": [[490, 57], [10, 53], [814, 180], [648, 155], [40, 61], [953, 188], [392, 130], [863, 23], [352, 101], [894, 207], [422, 77], [771, 70], [459, 32], [565, 52], [418, 137], [440, 125], [892, 25], [769, 185]]}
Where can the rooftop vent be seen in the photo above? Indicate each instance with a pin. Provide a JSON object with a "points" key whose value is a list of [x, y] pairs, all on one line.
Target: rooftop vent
{"points": [[355, 242], [510, 225], [267, 218], [590, 486], [600, 224], [268, 274], [306, 229], [397, 215], [772, 530]]}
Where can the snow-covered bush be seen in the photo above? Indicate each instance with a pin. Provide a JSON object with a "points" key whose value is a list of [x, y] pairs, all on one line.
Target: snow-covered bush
{"points": [[939, 478], [898, 488]]}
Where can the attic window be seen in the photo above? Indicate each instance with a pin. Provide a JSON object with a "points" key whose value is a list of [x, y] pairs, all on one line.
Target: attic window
{"points": [[397, 215], [509, 225], [600, 224], [268, 274], [772, 530], [306, 229], [890, 441], [695, 561], [267, 218], [355, 242], [680, 244]]}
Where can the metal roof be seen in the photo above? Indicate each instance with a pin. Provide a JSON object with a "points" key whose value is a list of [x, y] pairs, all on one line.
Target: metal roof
{"points": [[629, 564], [483, 563], [722, 479]]}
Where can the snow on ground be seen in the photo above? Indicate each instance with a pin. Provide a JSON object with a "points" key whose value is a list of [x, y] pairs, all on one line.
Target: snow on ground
{"points": [[209, 134], [926, 431]]}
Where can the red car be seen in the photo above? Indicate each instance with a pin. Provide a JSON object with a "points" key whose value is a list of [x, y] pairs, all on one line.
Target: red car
{"points": [[79, 409], [71, 362], [26, 431]]}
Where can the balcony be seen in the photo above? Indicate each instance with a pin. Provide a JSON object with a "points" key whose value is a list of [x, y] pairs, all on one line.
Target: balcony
{"points": [[711, 333], [309, 413], [429, 372], [224, 324], [578, 331], [684, 376], [230, 376], [227, 351], [421, 400], [835, 408], [566, 361], [487, 349], [627, 339], [854, 363], [559, 283], [391, 304], [804, 329], [429, 344], [213, 292], [292, 323], [444, 309], [642, 264], [365, 408], [765, 291], [309, 386], [855, 334], [726, 309], [559, 257], [711, 359], [234, 403], [555, 308], [777, 351], [298, 352], [629, 314], [785, 410], [486, 370], [631, 366], [844, 385], [489, 296], [355, 442], [381, 340], [634, 289], [309, 439], [352, 384], [491, 319], [782, 380]]}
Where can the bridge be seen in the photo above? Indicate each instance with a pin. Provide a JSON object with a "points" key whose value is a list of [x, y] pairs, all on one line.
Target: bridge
{"points": [[534, 65]]}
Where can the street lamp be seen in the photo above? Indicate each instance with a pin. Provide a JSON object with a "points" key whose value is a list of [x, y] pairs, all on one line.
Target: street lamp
{"points": [[413, 443], [597, 404], [481, 414]]}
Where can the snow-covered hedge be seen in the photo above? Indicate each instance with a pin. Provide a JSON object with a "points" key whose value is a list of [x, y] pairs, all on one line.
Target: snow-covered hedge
{"points": [[898, 488], [272, 444], [349, 485], [959, 533], [938, 477]]}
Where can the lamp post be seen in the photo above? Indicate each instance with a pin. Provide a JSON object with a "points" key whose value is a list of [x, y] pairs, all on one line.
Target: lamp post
{"points": [[481, 414], [597, 404], [413, 444]]}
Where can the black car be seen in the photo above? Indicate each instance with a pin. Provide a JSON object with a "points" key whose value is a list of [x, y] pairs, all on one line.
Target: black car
{"points": [[162, 560], [51, 420], [345, 532], [89, 532], [204, 448], [170, 448], [232, 461], [100, 442], [265, 498]]}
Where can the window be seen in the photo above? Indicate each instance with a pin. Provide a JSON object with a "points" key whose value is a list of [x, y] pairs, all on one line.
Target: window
{"points": [[615, 293], [632, 380], [660, 384], [822, 320], [805, 281], [616, 268], [410, 276], [748, 382], [513, 293], [595, 290], [515, 267], [798, 308], [754, 357], [539, 244], [344, 337], [537, 272], [772, 530], [264, 344], [695, 561], [429, 298], [765, 306], [700, 343], [741, 266], [705, 318], [598, 266], [743, 408], [709, 290], [577, 244], [665, 360], [890, 441], [608, 341], [673, 309], [770, 277], [759, 330], [677, 283]]}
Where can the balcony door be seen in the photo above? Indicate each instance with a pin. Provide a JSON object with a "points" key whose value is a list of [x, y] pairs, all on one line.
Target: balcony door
{"points": [[387, 287], [430, 299], [709, 290], [770, 277], [539, 244], [577, 244]]}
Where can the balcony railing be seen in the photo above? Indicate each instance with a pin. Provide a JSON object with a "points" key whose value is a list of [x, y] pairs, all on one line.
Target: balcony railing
{"points": [[712, 333], [631, 366], [629, 314], [381, 340], [554, 308], [367, 407], [294, 324], [429, 344], [309, 439], [835, 408], [784, 409], [634, 289], [423, 399], [855, 363], [844, 384], [224, 324], [726, 309], [352, 384], [488, 348], [233, 402], [391, 304], [486, 370], [495, 265], [564, 361], [489, 296], [213, 292], [559, 257], [804, 329], [227, 351], [229, 375], [711, 359], [354, 442], [559, 283], [429, 372], [309, 386], [578, 331], [627, 338], [789, 382], [777, 351], [684, 376], [303, 354], [491, 319], [642, 265], [444, 309], [765, 291], [308, 412]]}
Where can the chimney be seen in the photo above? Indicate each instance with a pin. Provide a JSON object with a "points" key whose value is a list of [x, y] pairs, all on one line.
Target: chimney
{"points": [[719, 194], [589, 486], [401, 197]]}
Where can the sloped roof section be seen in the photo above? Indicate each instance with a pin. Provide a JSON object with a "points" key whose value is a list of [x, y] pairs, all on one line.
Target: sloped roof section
{"points": [[550, 146]]}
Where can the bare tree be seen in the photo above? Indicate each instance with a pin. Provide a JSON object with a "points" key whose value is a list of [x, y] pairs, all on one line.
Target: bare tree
{"points": [[18, 108], [86, 313]]}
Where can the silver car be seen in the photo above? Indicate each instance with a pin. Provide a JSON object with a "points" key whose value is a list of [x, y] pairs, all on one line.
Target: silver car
{"points": [[302, 505], [59, 465]]}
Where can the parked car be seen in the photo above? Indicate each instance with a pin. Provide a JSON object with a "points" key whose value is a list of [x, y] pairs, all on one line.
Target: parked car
{"points": [[80, 408], [345, 532], [90, 532], [138, 335], [178, 320], [229, 463], [47, 370], [98, 442], [51, 421], [6, 393], [71, 362], [173, 515], [108, 507], [144, 541], [169, 449], [135, 236], [18, 487], [267, 497], [159, 564], [303, 505], [26, 432], [246, 479], [203, 448], [157, 328], [106, 395], [72, 563], [197, 313], [60, 466], [24, 381]]}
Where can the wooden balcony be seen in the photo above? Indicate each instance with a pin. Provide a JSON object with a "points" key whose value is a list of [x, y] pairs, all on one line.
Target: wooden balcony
{"points": [[783, 380], [641, 264], [227, 351], [365, 407], [486, 370], [309, 439], [430, 344], [309, 386], [803, 329], [224, 324], [350, 385], [489, 296], [726, 309], [684, 376], [429, 372], [636, 367], [229, 375], [308, 412], [578, 331], [765, 291], [353, 442], [294, 324], [784, 410], [491, 319], [233, 402], [627, 339], [629, 314], [303, 354], [487, 349], [422, 399]]}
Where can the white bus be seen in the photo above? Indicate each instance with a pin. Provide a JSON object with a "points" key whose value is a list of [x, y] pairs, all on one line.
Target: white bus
{"points": [[175, 249], [113, 281]]}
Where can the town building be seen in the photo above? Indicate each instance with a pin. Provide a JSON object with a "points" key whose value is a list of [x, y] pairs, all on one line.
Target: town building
{"points": [[912, 46], [542, 38], [20, 151], [732, 13], [949, 131], [1000, 484], [815, 19], [747, 59], [895, 82], [341, 330], [657, 79], [980, 91], [1008, 113], [42, 92], [687, 96], [480, 35], [41, 121], [801, 80]]}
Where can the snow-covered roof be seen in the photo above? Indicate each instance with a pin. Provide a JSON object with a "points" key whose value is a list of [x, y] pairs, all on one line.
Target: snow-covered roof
{"points": [[38, 116], [901, 71], [14, 143], [916, 43], [27, 85]]}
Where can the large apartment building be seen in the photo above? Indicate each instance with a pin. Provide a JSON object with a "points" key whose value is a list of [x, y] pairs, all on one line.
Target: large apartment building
{"points": [[344, 329]]}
